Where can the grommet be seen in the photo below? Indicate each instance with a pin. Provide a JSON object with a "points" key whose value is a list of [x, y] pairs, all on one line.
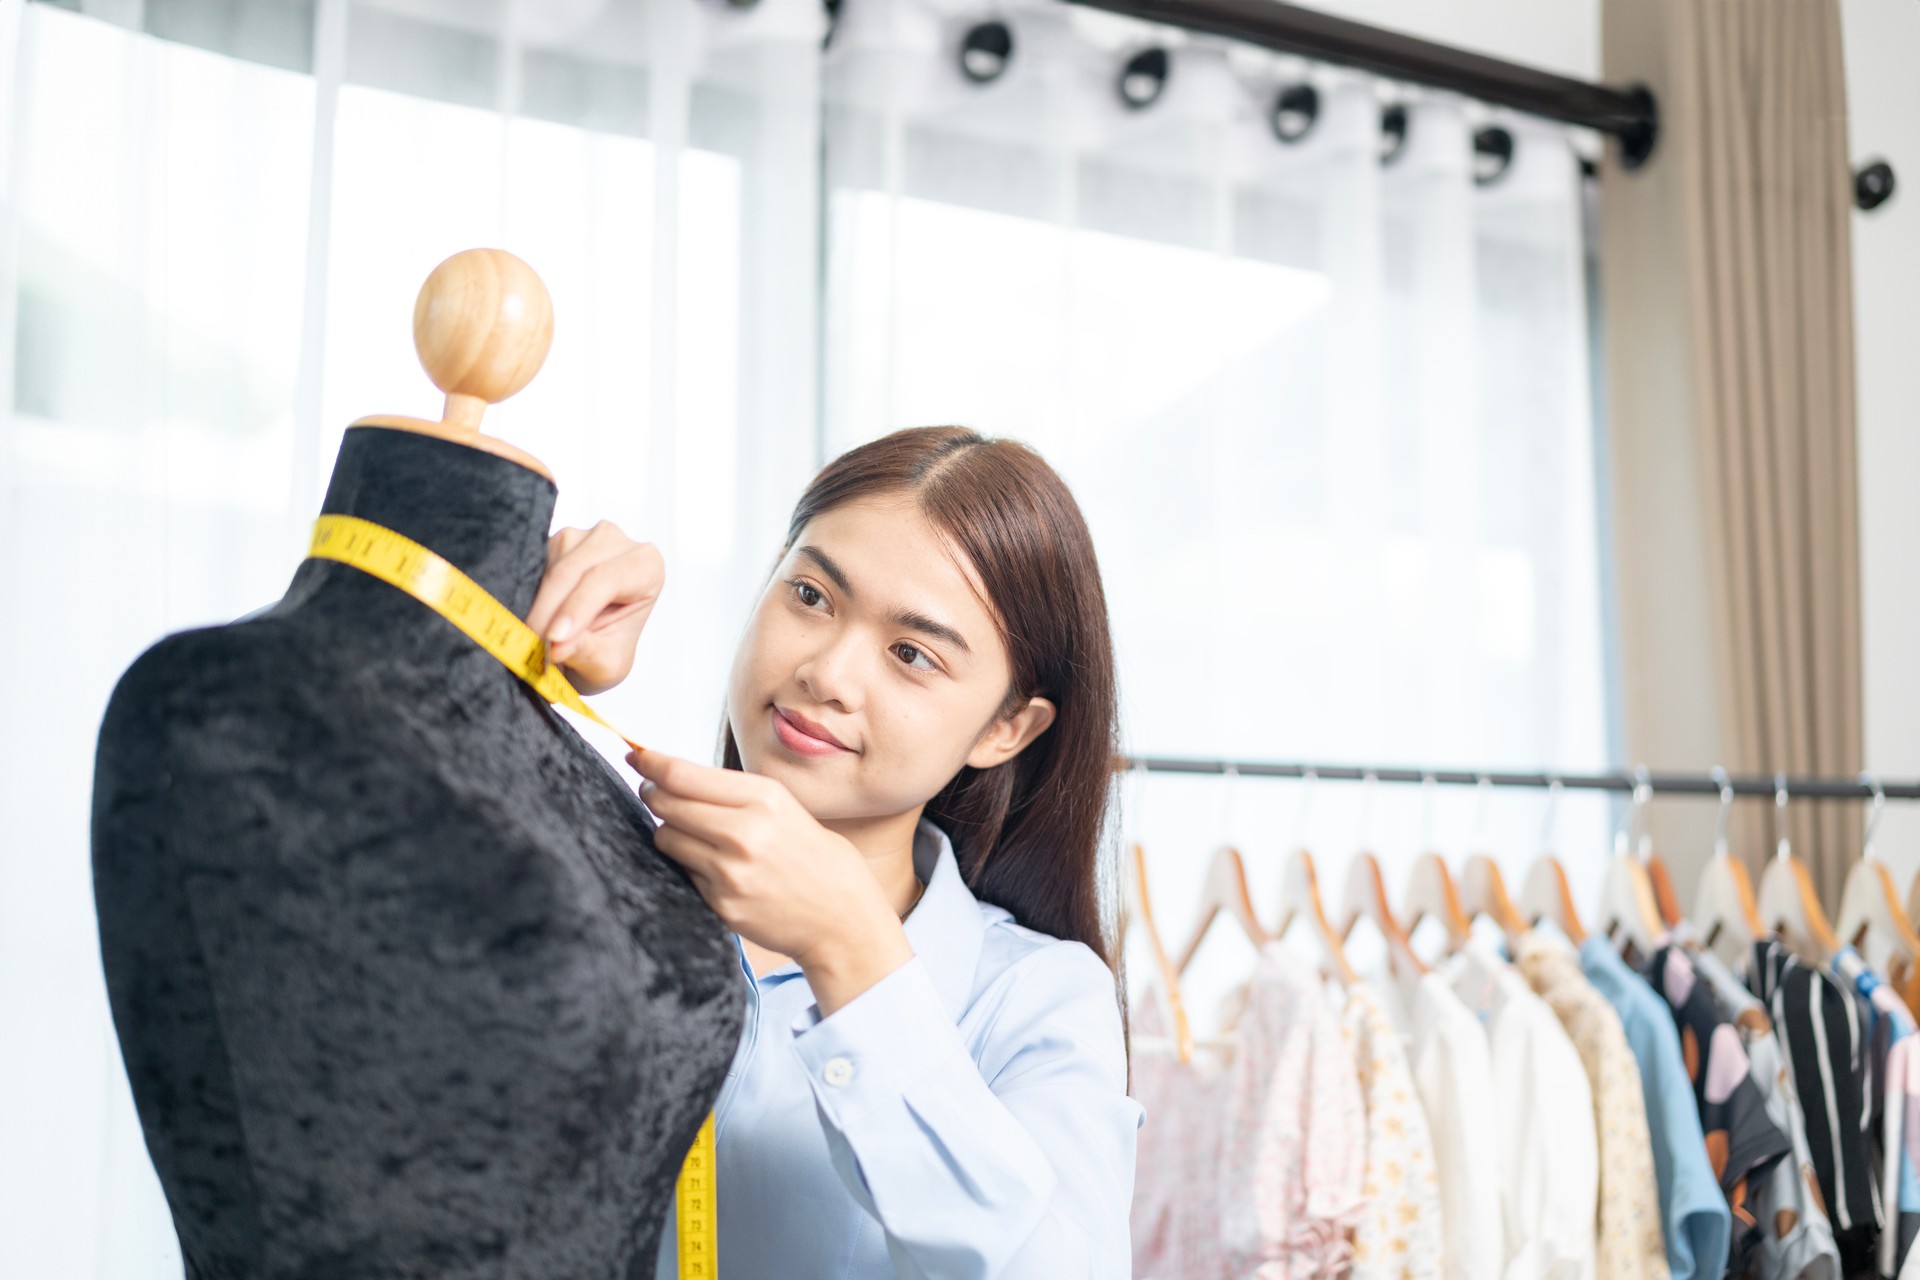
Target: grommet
{"points": [[1144, 78], [1492, 154], [986, 51], [1296, 109], [1393, 132]]}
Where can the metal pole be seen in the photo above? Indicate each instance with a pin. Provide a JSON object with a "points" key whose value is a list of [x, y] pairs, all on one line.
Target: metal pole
{"points": [[1629, 114], [1698, 784]]}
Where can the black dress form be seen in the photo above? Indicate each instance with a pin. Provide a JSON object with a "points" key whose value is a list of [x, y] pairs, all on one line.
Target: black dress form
{"points": [[402, 985]]}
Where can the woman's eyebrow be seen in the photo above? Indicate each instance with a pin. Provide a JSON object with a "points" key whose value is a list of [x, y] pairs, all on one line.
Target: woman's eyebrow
{"points": [[908, 618], [927, 626], [828, 567]]}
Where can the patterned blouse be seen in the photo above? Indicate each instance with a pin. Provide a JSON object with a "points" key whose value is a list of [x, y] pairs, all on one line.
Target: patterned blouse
{"points": [[1630, 1245], [1400, 1235]]}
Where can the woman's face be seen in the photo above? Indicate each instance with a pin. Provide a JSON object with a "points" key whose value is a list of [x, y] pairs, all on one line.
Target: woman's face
{"points": [[871, 670]]}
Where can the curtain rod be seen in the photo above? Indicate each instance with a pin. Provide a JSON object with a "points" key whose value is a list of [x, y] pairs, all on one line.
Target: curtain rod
{"points": [[1628, 114], [1694, 784]]}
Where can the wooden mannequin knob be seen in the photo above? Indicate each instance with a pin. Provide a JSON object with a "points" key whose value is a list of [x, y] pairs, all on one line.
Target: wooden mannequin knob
{"points": [[482, 325]]}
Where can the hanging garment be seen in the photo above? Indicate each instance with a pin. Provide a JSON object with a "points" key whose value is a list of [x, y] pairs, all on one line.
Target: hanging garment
{"points": [[1796, 1240], [1628, 1245], [1399, 1236], [1891, 1027], [1175, 1220], [1742, 1140], [1693, 1213], [1821, 1028], [1453, 1072], [402, 985], [1543, 1121], [1293, 1153]]}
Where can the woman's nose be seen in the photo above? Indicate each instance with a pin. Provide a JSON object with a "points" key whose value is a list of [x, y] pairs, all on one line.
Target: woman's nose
{"points": [[830, 675]]}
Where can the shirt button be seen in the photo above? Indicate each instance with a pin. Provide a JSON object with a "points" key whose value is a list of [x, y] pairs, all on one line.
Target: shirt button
{"points": [[838, 1071]]}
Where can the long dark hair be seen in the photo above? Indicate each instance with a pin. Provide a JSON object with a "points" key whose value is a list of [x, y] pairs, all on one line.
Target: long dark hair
{"points": [[1028, 832]]}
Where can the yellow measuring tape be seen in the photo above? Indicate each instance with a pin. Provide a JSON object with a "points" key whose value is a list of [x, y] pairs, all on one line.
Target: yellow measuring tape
{"points": [[401, 562]]}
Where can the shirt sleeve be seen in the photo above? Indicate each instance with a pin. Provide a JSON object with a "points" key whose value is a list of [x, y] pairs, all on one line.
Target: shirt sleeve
{"points": [[1018, 1166]]}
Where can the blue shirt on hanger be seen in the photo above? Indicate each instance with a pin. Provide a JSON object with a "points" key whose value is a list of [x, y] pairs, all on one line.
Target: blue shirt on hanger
{"points": [[1693, 1210], [964, 1117]]}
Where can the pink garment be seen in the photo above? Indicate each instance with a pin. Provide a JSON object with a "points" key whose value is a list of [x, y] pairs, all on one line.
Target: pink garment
{"points": [[1176, 1200], [1293, 1158], [1250, 1165]]}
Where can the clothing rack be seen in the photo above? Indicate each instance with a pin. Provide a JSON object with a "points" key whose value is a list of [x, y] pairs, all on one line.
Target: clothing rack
{"points": [[1771, 786], [1628, 114]]}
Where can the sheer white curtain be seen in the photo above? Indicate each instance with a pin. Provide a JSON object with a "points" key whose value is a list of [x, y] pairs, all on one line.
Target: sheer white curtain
{"points": [[215, 218], [1329, 418]]}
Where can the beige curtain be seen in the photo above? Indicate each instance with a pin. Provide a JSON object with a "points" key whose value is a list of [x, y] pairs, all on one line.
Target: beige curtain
{"points": [[1759, 88]]}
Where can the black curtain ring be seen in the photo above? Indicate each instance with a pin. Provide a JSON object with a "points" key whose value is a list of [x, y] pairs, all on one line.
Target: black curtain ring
{"points": [[1873, 185], [1144, 78], [1393, 132], [1492, 154], [986, 51], [1295, 111]]}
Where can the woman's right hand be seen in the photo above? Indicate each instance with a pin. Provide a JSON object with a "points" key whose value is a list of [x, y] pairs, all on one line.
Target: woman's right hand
{"points": [[600, 587]]}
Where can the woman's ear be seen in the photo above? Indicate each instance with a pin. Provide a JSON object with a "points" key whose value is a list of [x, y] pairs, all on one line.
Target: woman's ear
{"points": [[1006, 737]]}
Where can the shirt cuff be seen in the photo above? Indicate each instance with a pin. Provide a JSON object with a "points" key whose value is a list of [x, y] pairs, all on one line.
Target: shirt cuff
{"points": [[869, 1050]]}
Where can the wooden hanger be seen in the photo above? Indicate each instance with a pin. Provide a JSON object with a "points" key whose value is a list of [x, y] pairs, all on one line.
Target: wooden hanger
{"points": [[1788, 902], [1629, 912], [1545, 893], [1483, 890], [1300, 899], [1140, 912], [1430, 887], [1724, 914], [1225, 890], [1869, 905], [1366, 898], [1431, 893]]}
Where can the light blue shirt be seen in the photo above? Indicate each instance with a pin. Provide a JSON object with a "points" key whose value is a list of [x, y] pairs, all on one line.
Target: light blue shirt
{"points": [[1693, 1209], [965, 1117]]}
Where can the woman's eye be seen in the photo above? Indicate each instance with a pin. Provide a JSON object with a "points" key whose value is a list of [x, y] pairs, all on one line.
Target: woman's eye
{"points": [[808, 594], [913, 657]]}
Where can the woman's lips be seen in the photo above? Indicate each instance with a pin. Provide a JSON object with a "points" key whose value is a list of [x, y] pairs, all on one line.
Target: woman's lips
{"points": [[804, 740]]}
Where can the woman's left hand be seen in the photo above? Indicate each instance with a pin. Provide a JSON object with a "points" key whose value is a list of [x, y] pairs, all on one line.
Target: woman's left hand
{"points": [[773, 874]]}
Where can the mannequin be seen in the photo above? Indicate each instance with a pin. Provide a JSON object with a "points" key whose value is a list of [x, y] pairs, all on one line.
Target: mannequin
{"points": [[402, 986]]}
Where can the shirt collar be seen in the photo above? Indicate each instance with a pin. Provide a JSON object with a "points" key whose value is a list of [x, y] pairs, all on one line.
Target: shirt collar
{"points": [[945, 928]]}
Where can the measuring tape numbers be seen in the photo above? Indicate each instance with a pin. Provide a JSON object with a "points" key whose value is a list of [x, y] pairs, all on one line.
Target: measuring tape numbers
{"points": [[401, 562]]}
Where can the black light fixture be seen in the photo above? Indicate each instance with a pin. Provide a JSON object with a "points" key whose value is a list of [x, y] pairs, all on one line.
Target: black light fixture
{"points": [[986, 51], [1144, 78], [1295, 111], [1393, 132], [1873, 185], [1492, 154]]}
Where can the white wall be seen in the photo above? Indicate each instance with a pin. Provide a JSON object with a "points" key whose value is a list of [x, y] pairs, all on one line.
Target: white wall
{"points": [[1883, 120]]}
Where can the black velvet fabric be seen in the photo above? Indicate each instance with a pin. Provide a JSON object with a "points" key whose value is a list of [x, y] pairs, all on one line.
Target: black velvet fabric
{"points": [[403, 987]]}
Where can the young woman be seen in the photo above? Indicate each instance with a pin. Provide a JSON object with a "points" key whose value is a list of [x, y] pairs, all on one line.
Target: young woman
{"points": [[905, 836]]}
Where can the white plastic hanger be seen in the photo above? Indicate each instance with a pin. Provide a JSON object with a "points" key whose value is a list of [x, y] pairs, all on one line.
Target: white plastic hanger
{"points": [[1788, 903], [1724, 914], [1871, 917], [1300, 898], [1545, 893], [1483, 890], [1628, 911], [1431, 892]]}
